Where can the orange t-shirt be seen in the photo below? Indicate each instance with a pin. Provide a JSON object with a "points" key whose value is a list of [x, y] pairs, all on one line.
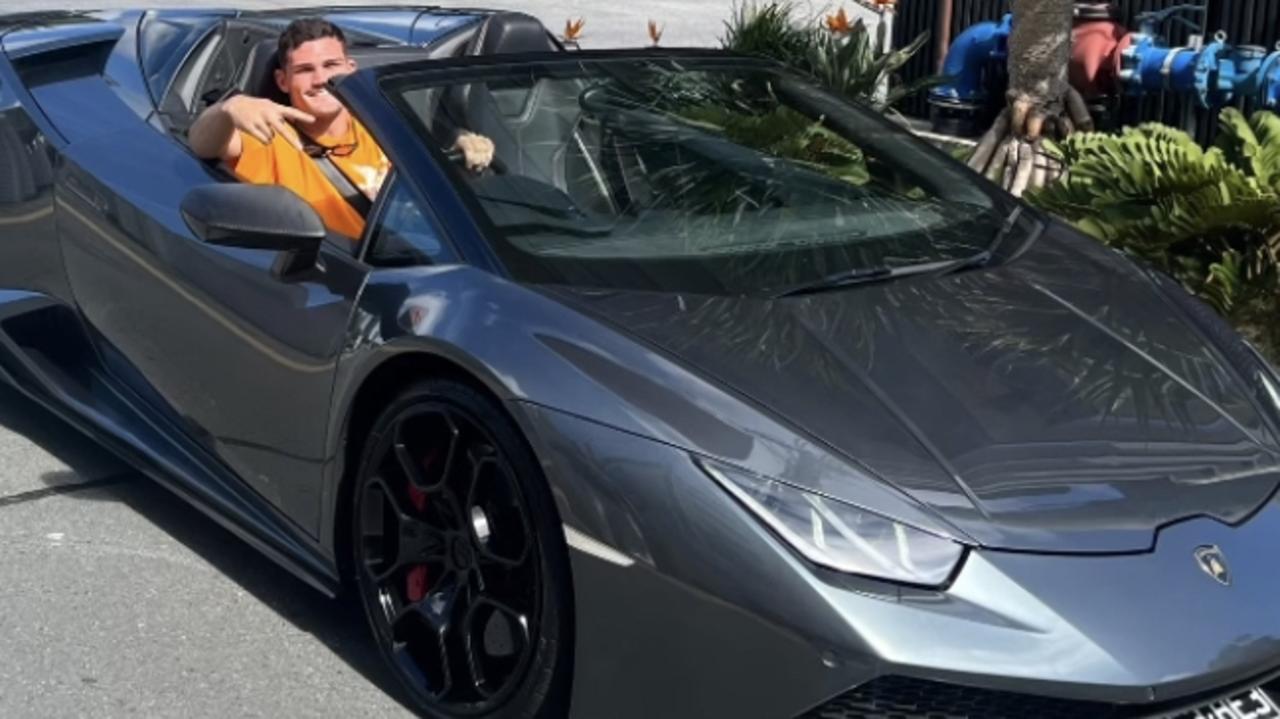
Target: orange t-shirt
{"points": [[280, 163]]}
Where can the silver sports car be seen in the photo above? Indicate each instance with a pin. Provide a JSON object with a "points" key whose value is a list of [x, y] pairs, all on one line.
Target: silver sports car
{"points": [[717, 395]]}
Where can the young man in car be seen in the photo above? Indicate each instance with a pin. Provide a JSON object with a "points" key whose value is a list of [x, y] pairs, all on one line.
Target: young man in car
{"points": [[264, 142]]}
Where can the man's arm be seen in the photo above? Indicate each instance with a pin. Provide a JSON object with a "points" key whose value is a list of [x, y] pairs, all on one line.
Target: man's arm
{"points": [[214, 136]]}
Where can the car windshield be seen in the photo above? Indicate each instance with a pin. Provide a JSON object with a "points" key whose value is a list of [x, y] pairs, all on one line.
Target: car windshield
{"points": [[695, 175]]}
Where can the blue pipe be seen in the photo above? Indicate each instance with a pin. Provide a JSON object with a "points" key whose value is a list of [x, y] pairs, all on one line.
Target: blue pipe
{"points": [[968, 56], [1182, 70], [1149, 67], [1216, 73]]}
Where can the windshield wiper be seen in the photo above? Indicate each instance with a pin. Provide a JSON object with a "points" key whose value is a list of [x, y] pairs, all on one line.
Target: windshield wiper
{"points": [[982, 258], [866, 275]]}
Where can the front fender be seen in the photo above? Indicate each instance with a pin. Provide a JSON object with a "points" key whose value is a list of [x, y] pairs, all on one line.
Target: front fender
{"points": [[529, 349]]}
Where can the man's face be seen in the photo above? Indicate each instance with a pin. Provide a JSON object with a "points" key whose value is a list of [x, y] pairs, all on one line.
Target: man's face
{"points": [[307, 68]]}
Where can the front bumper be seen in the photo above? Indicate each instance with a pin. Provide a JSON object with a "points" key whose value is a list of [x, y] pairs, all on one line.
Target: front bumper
{"points": [[893, 697], [687, 607]]}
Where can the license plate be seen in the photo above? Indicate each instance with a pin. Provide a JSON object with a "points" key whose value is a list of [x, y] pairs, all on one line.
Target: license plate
{"points": [[1248, 704]]}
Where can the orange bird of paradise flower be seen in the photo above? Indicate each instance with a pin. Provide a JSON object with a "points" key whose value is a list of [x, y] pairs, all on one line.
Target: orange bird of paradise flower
{"points": [[655, 32], [839, 23], [573, 29]]}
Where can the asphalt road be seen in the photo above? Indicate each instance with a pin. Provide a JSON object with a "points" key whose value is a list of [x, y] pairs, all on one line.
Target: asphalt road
{"points": [[116, 599]]}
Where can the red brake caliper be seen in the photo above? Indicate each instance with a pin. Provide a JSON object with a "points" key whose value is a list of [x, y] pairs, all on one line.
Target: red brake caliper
{"points": [[416, 581]]}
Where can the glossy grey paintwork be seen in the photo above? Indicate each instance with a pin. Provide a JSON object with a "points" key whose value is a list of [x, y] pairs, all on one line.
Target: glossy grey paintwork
{"points": [[46, 353], [29, 254], [931, 402], [66, 35], [622, 476], [1134, 628], [168, 302], [123, 69], [693, 554], [1035, 409], [525, 345]]}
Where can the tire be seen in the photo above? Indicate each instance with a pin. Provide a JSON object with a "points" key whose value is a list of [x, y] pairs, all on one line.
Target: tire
{"points": [[459, 558]]}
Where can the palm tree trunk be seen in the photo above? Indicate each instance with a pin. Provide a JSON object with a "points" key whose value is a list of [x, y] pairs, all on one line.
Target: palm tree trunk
{"points": [[1040, 99]]}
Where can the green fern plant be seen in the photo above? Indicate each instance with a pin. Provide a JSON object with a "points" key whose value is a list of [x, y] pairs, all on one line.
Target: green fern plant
{"points": [[1252, 144], [1208, 217]]}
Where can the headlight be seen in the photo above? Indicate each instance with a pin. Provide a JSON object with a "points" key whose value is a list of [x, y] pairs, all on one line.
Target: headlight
{"points": [[840, 536]]}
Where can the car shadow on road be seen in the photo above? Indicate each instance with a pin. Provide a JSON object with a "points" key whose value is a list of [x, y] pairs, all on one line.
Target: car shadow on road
{"points": [[95, 475], [22, 416]]}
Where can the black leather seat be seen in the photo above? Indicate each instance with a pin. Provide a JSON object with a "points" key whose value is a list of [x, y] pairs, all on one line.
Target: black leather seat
{"points": [[509, 33], [258, 78], [531, 123]]}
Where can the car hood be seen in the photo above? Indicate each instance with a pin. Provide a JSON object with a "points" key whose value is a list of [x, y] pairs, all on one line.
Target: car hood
{"points": [[1056, 403]]}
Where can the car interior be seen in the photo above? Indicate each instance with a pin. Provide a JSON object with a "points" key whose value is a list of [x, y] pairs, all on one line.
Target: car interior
{"points": [[538, 129], [556, 160], [240, 54]]}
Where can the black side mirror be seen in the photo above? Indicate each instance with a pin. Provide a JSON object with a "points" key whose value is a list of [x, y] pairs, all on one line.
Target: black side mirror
{"points": [[259, 217]]}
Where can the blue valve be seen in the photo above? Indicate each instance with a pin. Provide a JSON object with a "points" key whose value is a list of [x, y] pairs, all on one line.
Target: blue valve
{"points": [[1213, 73], [1147, 65], [1216, 74], [1269, 81]]}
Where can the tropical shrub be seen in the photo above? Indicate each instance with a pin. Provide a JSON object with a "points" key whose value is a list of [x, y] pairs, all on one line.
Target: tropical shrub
{"points": [[1210, 218], [770, 31], [846, 57], [854, 64]]}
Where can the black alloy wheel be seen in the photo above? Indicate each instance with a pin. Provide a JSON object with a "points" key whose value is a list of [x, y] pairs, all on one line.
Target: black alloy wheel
{"points": [[459, 557]]}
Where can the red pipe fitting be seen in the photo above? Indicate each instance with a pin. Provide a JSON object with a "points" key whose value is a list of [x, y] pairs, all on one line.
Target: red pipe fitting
{"points": [[1096, 48]]}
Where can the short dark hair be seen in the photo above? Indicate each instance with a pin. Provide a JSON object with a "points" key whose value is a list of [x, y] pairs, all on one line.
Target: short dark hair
{"points": [[305, 30]]}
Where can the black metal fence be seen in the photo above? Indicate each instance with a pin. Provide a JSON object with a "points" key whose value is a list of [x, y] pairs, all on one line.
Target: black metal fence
{"points": [[1245, 22]]}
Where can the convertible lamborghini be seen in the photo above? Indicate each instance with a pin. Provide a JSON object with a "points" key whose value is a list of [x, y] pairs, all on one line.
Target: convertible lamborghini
{"points": [[716, 395]]}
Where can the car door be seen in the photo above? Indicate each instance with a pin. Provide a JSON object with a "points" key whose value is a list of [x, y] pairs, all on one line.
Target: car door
{"points": [[242, 359], [236, 357]]}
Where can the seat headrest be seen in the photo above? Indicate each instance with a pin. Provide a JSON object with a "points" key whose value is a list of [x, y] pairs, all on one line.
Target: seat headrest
{"points": [[259, 79], [509, 33]]}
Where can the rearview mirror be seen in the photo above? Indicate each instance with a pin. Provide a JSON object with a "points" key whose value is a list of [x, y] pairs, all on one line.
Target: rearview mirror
{"points": [[259, 217]]}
